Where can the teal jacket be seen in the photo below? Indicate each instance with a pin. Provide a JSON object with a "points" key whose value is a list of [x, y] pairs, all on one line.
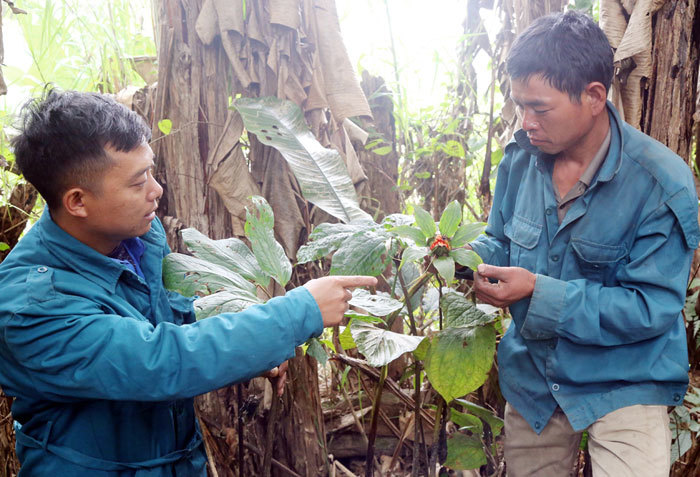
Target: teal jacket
{"points": [[603, 328], [103, 364]]}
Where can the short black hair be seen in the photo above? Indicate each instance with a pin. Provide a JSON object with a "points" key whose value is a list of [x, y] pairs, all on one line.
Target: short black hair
{"points": [[62, 139], [568, 49]]}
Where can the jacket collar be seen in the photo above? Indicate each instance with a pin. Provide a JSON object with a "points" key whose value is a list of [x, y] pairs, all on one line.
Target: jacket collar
{"points": [[612, 162], [81, 258]]}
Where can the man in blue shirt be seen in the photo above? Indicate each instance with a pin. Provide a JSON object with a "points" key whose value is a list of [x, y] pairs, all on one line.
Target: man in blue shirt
{"points": [[103, 362], [589, 242]]}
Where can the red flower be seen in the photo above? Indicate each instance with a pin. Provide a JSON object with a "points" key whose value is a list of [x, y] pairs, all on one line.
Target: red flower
{"points": [[440, 246]]}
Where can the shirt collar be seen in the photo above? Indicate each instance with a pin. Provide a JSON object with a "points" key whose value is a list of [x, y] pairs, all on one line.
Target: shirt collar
{"points": [[597, 160], [81, 258]]}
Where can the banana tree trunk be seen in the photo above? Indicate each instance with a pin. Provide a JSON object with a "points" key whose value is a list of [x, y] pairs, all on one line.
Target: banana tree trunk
{"points": [[209, 51]]}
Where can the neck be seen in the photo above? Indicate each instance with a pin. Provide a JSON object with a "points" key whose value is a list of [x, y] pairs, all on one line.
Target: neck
{"points": [[583, 151], [75, 227]]}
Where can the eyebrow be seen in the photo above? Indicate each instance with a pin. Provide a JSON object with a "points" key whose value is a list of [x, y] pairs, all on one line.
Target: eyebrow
{"points": [[143, 171], [534, 102]]}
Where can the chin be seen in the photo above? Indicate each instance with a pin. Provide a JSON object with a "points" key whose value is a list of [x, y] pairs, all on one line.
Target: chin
{"points": [[549, 149]]}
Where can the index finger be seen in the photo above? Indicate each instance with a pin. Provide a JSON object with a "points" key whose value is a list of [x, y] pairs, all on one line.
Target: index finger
{"points": [[355, 281]]}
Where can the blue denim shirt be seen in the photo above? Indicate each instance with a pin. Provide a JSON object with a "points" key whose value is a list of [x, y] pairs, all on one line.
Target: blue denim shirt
{"points": [[603, 328], [103, 363]]}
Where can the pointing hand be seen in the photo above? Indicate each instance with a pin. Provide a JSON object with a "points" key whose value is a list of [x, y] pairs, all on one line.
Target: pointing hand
{"points": [[333, 293]]}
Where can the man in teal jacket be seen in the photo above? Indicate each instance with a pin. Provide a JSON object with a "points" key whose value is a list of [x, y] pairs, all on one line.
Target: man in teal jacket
{"points": [[589, 240], [103, 362]]}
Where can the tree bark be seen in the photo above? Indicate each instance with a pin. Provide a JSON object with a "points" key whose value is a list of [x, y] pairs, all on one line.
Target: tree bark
{"points": [[382, 170], [669, 102], [209, 51]]}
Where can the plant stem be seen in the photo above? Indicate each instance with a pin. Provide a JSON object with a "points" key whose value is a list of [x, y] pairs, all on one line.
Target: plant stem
{"points": [[440, 298], [417, 422], [436, 436], [416, 396], [420, 281], [369, 468]]}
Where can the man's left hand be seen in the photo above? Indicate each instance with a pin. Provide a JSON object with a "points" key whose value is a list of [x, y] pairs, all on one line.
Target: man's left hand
{"points": [[514, 283], [278, 377]]}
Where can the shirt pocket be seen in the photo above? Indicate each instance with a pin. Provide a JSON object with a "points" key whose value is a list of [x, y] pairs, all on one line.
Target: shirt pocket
{"points": [[181, 308], [524, 235], [597, 261]]}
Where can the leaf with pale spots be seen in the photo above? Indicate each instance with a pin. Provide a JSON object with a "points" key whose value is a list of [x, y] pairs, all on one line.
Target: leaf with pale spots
{"points": [[381, 347]]}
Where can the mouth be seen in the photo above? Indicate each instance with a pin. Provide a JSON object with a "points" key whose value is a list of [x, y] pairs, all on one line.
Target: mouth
{"points": [[534, 141], [152, 214]]}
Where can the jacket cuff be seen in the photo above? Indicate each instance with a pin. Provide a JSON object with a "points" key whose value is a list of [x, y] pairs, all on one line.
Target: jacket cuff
{"points": [[546, 306], [301, 303]]}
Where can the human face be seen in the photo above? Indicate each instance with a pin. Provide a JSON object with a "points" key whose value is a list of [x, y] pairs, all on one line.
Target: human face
{"points": [[553, 122], [124, 204]]}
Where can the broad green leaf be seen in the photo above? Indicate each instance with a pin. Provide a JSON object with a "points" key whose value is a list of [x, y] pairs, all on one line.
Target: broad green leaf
{"points": [[459, 311], [446, 267], [410, 232], [374, 143], [326, 238], [413, 253], [366, 318], [321, 172], [192, 276], [225, 301], [345, 338], [459, 359], [327, 229], [361, 254], [453, 148], [165, 126], [377, 305], [493, 420], [382, 151], [467, 233], [451, 127], [468, 421], [322, 247], [422, 350], [397, 220], [316, 350], [464, 452], [268, 252], [381, 347], [231, 253], [425, 222], [450, 219], [467, 258], [4, 246]]}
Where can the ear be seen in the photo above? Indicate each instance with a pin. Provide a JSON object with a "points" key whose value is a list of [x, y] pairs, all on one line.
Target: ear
{"points": [[595, 95], [74, 202]]}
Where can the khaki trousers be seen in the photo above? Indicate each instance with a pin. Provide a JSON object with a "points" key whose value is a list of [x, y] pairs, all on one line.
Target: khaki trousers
{"points": [[634, 441]]}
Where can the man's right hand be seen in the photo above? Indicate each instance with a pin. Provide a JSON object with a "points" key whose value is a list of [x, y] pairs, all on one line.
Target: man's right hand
{"points": [[332, 294]]}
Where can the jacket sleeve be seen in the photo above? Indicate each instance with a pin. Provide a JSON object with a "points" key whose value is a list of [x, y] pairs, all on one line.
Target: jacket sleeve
{"points": [[82, 353], [650, 294], [493, 246]]}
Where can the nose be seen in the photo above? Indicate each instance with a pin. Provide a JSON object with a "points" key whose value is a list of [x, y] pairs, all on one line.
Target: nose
{"points": [[156, 190], [529, 123]]}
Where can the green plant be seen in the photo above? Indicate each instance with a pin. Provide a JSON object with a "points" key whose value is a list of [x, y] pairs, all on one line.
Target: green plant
{"points": [[456, 352], [79, 45], [684, 423]]}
